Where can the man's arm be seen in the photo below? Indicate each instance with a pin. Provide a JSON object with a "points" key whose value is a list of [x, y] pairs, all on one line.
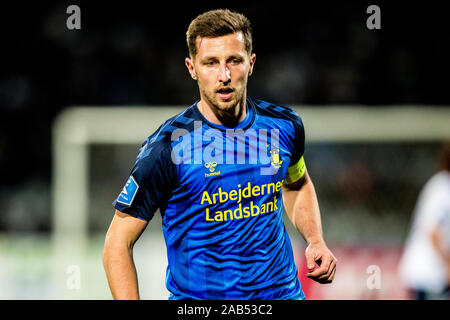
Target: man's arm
{"points": [[437, 242], [118, 255], [302, 207]]}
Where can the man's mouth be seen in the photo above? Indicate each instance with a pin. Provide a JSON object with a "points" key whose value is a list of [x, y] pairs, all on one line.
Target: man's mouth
{"points": [[225, 93]]}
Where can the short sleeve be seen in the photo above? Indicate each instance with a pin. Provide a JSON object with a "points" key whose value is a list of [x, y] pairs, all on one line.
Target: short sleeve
{"points": [[297, 167], [150, 183], [299, 139], [434, 205]]}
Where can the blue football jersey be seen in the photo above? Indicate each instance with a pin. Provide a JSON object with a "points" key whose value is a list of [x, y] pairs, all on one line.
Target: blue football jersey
{"points": [[219, 191]]}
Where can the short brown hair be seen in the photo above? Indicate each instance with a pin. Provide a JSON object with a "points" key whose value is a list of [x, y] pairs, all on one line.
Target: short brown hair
{"points": [[217, 23]]}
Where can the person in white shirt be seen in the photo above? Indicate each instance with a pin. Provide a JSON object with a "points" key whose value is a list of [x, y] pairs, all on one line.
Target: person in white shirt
{"points": [[425, 264]]}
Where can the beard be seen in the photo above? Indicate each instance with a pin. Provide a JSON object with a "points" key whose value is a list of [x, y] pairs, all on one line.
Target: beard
{"points": [[226, 110]]}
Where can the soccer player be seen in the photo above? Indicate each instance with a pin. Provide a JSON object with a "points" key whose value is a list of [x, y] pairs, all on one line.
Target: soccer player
{"points": [[425, 263], [221, 172]]}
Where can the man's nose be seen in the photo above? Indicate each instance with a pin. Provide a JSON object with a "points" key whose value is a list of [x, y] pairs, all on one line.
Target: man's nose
{"points": [[224, 73]]}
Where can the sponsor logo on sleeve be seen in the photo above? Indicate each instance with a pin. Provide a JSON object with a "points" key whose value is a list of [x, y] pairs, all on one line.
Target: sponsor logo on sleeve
{"points": [[129, 192]]}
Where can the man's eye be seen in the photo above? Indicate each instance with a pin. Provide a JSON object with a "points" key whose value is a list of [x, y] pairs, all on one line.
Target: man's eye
{"points": [[236, 61], [210, 63]]}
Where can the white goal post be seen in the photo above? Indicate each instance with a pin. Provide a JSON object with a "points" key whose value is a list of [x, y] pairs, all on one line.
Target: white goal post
{"points": [[78, 127]]}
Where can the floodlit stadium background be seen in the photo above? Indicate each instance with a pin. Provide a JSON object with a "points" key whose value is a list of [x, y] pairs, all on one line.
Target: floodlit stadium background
{"points": [[128, 61]]}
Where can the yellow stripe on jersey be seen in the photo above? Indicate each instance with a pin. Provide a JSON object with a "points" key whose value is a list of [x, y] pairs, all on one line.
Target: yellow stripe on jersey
{"points": [[295, 172]]}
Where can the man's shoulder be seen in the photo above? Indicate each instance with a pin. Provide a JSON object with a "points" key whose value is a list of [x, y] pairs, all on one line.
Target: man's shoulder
{"points": [[182, 121], [160, 141], [438, 185], [274, 110]]}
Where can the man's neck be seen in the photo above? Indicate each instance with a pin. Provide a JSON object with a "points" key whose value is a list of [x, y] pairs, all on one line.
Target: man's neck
{"points": [[228, 119]]}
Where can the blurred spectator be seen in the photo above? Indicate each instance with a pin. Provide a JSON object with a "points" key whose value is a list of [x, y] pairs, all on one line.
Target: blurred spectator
{"points": [[425, 265]]}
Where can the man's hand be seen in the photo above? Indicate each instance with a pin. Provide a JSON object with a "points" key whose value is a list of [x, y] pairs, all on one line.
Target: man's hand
{"points": [[326, 262]]}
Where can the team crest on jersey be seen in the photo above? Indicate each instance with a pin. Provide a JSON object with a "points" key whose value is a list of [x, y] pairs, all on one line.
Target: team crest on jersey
{"points": [[275, 158], [129, 192]]}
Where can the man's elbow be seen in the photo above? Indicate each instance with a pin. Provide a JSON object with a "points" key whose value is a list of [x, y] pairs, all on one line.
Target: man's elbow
{"points": [[115, 247], [108, 250]]}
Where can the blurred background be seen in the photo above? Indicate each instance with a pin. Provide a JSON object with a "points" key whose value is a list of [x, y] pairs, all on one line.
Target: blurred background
{"points": [[130, 56]]}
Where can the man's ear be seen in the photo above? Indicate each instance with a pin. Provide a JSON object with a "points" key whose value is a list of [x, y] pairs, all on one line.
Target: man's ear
{"points": [[190, 65], [252, 63]]}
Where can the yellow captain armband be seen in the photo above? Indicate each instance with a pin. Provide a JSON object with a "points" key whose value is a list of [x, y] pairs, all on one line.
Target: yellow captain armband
{"points": [[295, 172]]}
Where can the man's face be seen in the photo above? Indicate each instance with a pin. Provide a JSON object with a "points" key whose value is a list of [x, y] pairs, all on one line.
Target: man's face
{"points": [[221, 68]]}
